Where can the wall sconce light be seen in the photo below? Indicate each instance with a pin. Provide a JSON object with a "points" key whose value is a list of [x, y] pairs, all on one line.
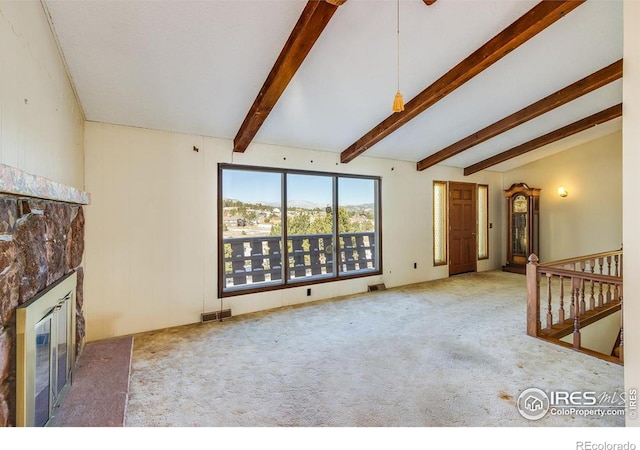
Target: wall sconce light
{"points": [[562, 192]]}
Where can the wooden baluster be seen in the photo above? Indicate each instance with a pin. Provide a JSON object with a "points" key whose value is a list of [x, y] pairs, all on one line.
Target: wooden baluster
{"points": [[574, 301], [592, 299], [600, 295], [549, 314], [582, 302], [533, 297], [608, 298], [616, 292], [621, 271], [576, 318], [601, 263], [616, 260], [583, 266], [561, 310]]}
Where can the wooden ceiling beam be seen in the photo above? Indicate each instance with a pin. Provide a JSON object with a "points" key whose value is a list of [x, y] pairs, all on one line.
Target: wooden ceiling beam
{"points": [[588, 84], [561, 133], [313, 20], [531, 23]]}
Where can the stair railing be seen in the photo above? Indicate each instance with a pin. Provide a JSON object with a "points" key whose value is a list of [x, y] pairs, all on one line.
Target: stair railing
{"points": [[576, 293]]}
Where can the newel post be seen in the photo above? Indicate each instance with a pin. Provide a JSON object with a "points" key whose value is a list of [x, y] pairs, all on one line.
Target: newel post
{"points": [[533, 297]]}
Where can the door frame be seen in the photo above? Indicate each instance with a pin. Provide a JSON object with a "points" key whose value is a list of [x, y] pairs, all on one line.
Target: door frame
{"points": [[475, 221]]}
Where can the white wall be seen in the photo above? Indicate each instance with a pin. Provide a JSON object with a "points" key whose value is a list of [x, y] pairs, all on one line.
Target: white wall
{"points": [[589, 219], [41, 124], [151, 258], [631, 217], [599, 336]]}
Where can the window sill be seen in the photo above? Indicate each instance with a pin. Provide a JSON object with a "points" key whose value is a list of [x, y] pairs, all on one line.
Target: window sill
{"points": [[233, 292]]}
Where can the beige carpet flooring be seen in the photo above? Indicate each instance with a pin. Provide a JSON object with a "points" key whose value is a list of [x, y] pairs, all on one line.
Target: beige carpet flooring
{"points": [[451, 352]]}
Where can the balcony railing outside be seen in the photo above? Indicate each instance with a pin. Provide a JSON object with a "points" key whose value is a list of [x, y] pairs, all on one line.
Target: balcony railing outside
{"points": [[258, 259]]}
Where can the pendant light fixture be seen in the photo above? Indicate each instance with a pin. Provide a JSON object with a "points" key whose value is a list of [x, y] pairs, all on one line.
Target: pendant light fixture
{"points": [[398, 101]]}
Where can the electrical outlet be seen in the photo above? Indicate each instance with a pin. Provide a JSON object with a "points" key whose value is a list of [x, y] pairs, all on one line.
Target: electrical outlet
{"points": [[308, 292], [415, 265]]}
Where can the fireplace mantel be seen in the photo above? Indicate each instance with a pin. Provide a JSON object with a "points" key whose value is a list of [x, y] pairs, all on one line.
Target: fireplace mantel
{"points": [[14, 181]]}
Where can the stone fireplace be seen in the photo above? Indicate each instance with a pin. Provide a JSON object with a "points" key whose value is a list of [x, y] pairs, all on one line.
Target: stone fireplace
{"points": [[41, 241]]}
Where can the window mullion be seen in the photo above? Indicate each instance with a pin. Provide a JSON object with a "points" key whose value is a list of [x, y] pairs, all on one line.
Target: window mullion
{"points": [[378, 224], [336, 234], [284, 253]]}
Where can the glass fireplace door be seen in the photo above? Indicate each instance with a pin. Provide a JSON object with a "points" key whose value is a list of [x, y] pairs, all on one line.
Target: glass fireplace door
{"points": [[60, 366], [52, 361], [42, 371]]}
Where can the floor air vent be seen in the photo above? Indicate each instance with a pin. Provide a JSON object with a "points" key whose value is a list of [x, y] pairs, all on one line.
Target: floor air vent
{"points": [[216, 315], [377, 287]]}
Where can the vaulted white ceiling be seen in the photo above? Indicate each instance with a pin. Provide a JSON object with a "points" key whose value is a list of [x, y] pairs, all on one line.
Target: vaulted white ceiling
{"points": [[197, 66]]}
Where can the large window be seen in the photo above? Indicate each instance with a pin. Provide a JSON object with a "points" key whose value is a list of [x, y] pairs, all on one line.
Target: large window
{"points": [[357, 211], [329, 223], [310, 226], [251, 210]]}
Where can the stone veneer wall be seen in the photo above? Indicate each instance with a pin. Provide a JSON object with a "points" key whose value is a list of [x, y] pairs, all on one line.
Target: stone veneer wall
{"points": [[40, 242]]}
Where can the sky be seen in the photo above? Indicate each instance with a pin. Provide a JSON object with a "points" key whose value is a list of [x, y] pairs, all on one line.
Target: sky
{"points": [[265, 187]]}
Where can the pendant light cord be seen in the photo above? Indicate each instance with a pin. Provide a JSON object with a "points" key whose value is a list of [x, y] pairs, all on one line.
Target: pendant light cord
{"points": [[398, 101], [398, 39]]}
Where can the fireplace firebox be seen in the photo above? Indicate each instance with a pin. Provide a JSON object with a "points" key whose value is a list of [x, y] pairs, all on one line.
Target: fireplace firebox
{"points": [[45, 332]]}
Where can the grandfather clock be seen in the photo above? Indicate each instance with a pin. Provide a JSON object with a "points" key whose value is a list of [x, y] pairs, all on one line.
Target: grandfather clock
{"points": [[523, 226]]}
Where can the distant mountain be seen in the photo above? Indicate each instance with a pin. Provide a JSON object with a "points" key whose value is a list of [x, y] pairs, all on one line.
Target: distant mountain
{"points": [[235, 200], [302, 204], [363, 206]]}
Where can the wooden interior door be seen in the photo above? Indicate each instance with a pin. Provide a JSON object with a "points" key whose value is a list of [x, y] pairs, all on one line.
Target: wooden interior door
{"points": [[462, 228]]}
